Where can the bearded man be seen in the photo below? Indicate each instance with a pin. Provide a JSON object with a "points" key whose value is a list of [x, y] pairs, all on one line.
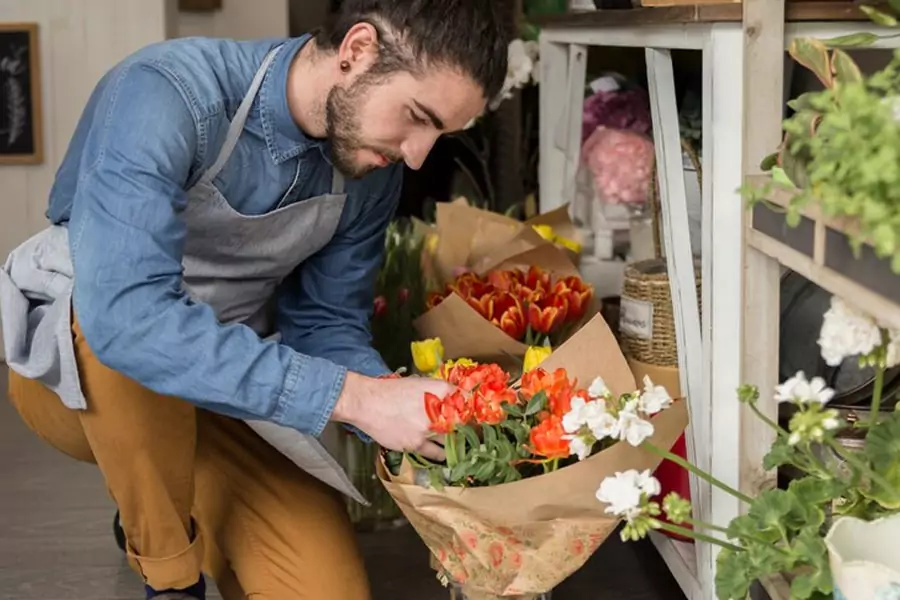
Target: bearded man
{"points": [[216, 228]]}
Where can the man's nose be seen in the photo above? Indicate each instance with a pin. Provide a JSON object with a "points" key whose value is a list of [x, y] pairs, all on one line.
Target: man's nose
{"points": [[416, 148]]}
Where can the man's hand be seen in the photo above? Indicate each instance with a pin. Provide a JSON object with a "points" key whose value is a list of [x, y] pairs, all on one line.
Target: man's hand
{"points": [[392, 411]]}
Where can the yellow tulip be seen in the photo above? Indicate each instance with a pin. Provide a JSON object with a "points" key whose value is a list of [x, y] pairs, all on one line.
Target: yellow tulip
{"points": [[428, 355], [431, 243], [569, 244], [462, 362], [545, 231], [534, 356]]}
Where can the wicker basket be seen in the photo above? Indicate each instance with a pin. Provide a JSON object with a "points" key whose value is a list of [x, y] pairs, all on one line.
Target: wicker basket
{"points": [[647, 320]]}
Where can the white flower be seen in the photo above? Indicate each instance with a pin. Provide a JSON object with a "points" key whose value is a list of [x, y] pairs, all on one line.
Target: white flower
{"points": [[598, 388], [798, 389], [573, 420], [519, 68], [624, 492], [847, 331], [654, 399], [632, 428], [592, 415], [580, 446]]}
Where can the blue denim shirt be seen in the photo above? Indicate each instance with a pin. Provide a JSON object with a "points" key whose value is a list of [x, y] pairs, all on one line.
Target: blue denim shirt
{"points": [[153, 125]]}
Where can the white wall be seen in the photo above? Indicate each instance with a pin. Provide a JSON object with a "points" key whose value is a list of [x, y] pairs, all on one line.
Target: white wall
{"points": [[79, 40], [239, 19]]}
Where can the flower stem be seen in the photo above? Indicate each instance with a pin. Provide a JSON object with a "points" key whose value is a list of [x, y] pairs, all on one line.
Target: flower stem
{"points": [[851, 458], [876, 394], [450, 449], [701, 474], [702, 537], [767, 420]]}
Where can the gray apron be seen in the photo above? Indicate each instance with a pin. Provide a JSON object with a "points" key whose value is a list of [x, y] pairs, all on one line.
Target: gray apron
{"points": [[232, 262]]}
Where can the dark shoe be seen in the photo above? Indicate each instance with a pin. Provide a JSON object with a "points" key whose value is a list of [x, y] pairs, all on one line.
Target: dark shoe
{"points": [[119, 533]]}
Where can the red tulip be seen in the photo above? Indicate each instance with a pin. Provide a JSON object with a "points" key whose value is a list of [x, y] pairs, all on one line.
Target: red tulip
{"points": [[512, 322], [445, 414], [488, 405], [380, 306]]}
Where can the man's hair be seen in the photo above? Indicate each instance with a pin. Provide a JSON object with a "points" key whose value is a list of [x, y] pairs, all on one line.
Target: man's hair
{"points": [[469, 35]]}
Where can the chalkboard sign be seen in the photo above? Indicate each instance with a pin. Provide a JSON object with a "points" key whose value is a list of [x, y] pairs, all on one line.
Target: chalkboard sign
{"points": [[20, 95]]}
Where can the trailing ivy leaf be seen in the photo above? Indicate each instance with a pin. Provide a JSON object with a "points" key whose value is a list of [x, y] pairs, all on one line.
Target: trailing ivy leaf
{"points": [[854, 40], [879, 17]]}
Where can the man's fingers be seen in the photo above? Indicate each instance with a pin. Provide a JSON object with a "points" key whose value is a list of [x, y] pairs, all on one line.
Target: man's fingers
{"points": [[432, 451]]}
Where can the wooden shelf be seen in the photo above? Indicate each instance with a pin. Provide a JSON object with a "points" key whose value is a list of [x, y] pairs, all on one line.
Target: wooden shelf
{"points": [[682, 562], [819, 249], [701, 13]]}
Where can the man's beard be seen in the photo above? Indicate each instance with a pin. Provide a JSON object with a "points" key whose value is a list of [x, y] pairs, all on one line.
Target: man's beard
{"points": [[343, 128]]}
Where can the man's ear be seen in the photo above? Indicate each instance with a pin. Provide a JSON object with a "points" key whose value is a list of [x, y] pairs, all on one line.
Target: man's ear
{"points": [[359, 48]]}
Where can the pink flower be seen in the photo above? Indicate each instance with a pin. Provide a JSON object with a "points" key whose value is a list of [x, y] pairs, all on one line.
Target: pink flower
{"points": [[621, 165]]}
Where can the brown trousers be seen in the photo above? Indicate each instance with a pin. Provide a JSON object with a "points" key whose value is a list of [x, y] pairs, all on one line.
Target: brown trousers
{"points": [[265, 529]]}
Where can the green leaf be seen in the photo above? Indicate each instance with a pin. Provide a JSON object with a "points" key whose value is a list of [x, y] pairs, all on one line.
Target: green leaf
{"points": [[471, 436], [490, 436], [846, 70], [854, 40], [780, 454], [513, 410], [733, 578], [812, 54], [536, 404], [803, 101], [769, 162], [895, 5], [771, 508], [461, 446], [878, 17], [459, 472], [883, 443], [746, 529]]}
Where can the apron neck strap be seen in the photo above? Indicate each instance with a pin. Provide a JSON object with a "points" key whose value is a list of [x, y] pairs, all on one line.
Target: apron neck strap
{"points": [[240, 118], [337, 181]]}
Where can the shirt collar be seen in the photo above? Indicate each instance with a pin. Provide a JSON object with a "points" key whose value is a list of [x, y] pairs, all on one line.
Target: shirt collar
{"points": [[284, 138]]}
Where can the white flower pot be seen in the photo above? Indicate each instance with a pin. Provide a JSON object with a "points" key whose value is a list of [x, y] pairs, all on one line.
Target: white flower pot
{"points": [[865, 564]]}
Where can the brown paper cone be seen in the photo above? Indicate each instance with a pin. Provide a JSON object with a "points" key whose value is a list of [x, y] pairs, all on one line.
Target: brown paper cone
{"points": [[527, 536], [470, 236]]}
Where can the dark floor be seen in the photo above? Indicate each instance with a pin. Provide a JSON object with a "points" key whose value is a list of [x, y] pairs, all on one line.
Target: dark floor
{"points": [[56, 547]]}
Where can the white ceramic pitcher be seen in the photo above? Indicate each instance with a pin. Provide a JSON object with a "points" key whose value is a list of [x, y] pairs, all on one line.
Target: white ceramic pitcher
{"points": [[864, 557]]}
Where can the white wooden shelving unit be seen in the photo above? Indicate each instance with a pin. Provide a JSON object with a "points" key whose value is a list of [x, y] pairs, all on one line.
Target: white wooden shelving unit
{"points": [[743, 101]]}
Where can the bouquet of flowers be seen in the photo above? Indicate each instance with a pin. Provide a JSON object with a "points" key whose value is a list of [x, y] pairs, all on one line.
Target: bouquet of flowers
{"points": [[500, 314], [544, 441]]}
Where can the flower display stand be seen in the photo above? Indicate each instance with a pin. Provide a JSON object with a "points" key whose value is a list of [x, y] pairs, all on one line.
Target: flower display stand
{"points": [[736, 341]]}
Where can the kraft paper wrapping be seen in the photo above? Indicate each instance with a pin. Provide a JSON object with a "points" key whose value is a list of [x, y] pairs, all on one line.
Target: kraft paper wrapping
{"points": [[528, 536], [481, 240]]}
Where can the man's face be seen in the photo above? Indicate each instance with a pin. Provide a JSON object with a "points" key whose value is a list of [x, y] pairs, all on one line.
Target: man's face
{"points": [[374, 121]]}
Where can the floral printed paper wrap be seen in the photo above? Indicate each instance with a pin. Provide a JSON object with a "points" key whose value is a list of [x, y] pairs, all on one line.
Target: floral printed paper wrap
{"points": [[526, 537]]}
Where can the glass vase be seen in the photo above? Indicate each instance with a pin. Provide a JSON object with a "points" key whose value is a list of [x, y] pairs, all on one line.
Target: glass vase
{"points": [[383, 513]]}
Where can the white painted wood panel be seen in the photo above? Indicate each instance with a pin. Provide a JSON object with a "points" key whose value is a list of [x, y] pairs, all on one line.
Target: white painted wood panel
{"points": [[239, 19], [79, 40]]}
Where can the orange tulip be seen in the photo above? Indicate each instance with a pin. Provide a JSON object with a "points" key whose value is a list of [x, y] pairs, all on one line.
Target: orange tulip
{"points": [[483, 304], [548, 438], [556, 385], [577, 292], [512, 322], [505, 280], [488, 405], [547, 315], [434, 298], [445, 414], [537, 279]]}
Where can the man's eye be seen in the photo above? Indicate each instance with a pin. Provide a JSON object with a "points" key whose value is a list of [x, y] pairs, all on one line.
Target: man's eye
{"points": [[416, 118]]}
